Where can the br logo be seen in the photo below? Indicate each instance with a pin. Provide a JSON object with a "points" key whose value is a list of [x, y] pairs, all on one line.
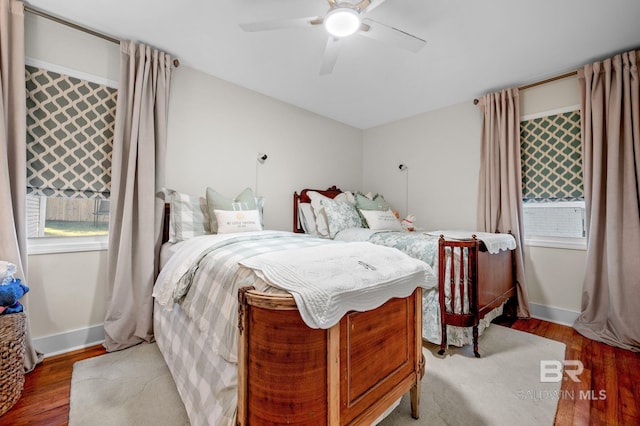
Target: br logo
{"points": [[551, 371]]}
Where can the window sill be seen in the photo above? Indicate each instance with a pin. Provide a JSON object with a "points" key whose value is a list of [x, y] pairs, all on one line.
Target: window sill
{"points": [[50, 245], [557, 242]]}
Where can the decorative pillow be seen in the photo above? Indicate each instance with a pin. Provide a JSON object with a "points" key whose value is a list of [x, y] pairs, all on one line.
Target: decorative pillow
{"points": [[340, 216], [189, 216], [381, 220], [307, 218], [237, 221], [322, 228], [216, 201], [367, 202], [260, 208]]}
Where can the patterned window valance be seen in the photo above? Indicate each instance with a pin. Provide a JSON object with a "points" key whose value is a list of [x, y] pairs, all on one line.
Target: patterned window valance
{"points": [[70, 125], [551, 154]]}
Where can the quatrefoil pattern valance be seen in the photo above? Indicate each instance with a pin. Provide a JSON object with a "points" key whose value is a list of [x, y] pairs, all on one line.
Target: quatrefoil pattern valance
{"points": [[551, 154], [70, 125]]}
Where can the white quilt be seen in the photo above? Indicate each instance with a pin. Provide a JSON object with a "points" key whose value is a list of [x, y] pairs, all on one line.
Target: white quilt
{"points": [[327, 281]]}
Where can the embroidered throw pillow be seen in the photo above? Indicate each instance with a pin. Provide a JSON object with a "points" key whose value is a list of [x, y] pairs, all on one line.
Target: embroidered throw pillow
{"points": [[216, 201], [237, 221], [381, 220]]}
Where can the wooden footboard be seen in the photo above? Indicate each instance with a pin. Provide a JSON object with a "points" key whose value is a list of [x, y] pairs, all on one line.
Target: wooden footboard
{"points": [[349, 374], [490, 282], [496, 279]]}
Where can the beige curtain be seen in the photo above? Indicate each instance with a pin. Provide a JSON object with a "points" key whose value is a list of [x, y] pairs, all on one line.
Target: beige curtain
{"points": [[610, 113], [500, 181], [13, 151], [137, 175]]}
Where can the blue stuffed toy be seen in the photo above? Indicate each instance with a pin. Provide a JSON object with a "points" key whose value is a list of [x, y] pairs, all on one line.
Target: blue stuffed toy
{"points": [[11, 292]]}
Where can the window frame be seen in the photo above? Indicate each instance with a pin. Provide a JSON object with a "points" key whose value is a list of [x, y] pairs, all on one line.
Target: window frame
{"points": [[52, 245]]}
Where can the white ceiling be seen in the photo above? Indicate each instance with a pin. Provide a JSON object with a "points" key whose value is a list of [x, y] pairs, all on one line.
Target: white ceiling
{"points": [[473, 47]]}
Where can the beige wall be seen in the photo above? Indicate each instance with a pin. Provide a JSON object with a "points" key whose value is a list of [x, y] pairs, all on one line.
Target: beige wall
{"points": [[216, 130], [66, 291], [441, 149]]}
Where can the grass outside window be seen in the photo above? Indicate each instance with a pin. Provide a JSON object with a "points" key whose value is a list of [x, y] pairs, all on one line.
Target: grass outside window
{"points": [[63, 228]]}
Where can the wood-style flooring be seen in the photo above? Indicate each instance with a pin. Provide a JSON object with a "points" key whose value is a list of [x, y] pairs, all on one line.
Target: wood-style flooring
{"points": [[609, 372]]}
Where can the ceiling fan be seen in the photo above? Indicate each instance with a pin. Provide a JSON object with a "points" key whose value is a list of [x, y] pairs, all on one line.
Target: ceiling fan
{"points": [[343, 19]]}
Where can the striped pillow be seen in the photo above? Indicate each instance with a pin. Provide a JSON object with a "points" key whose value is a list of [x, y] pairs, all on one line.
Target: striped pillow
{"points": [[189, 216]]}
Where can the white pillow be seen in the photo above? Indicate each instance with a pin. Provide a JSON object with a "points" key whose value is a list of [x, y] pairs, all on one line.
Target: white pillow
{"points": [[381, 220], [307, 218], [237, 221], [322, 228], [215, 200]]}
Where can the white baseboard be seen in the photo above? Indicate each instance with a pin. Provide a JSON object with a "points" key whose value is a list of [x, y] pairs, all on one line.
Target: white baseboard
{"points": [[68, 341], [82, 338], [553, 314]]}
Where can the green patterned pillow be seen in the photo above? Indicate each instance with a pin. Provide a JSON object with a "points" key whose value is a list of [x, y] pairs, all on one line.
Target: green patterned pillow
{"points": [[216, 201], [376, 202], [340, 216]]}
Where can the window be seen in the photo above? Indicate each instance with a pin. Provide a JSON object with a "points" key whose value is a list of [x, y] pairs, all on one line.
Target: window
{"points": [[70, 123], [552, 189]]}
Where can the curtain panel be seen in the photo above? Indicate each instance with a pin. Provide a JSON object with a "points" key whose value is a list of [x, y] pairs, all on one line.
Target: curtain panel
{"points": [[135, 223], [500, 180], [610, 108], [13, 227]]}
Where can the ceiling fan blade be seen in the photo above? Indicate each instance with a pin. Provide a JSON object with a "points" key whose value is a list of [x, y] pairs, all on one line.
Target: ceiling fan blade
{"points": [[391, 35], [373, 4], [330, 55], [278, 24]]}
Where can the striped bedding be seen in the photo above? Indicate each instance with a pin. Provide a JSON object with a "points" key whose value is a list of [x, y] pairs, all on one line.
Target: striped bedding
{"points": [[198, 336], [195, 315]]}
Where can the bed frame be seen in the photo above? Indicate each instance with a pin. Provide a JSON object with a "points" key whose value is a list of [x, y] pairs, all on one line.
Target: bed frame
{"points": [[303, 197], [491, 276], [490, 283], [350, 374]]}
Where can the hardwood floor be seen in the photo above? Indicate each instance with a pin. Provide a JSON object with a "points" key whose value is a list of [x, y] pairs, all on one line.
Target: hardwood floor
{"points": [[609, 389], [45, 397], [607, 394]]}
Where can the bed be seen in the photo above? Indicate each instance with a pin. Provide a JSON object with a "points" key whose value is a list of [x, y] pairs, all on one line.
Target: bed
{"points": [[474, 289], [241, 351]]}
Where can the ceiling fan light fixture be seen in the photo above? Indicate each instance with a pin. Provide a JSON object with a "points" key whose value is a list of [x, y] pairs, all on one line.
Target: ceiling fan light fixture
{"points": [[342, 21]]}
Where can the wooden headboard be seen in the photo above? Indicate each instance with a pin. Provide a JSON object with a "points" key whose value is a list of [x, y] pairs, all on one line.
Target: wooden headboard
{"points": [[303, 197]]}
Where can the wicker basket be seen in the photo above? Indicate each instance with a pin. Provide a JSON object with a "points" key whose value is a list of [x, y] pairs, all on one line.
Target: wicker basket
{"points": [[12, 329]]}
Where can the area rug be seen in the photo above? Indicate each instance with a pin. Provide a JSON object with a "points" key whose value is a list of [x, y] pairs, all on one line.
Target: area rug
{"points": [[134, 387], [502, 387], [128, 387]]}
